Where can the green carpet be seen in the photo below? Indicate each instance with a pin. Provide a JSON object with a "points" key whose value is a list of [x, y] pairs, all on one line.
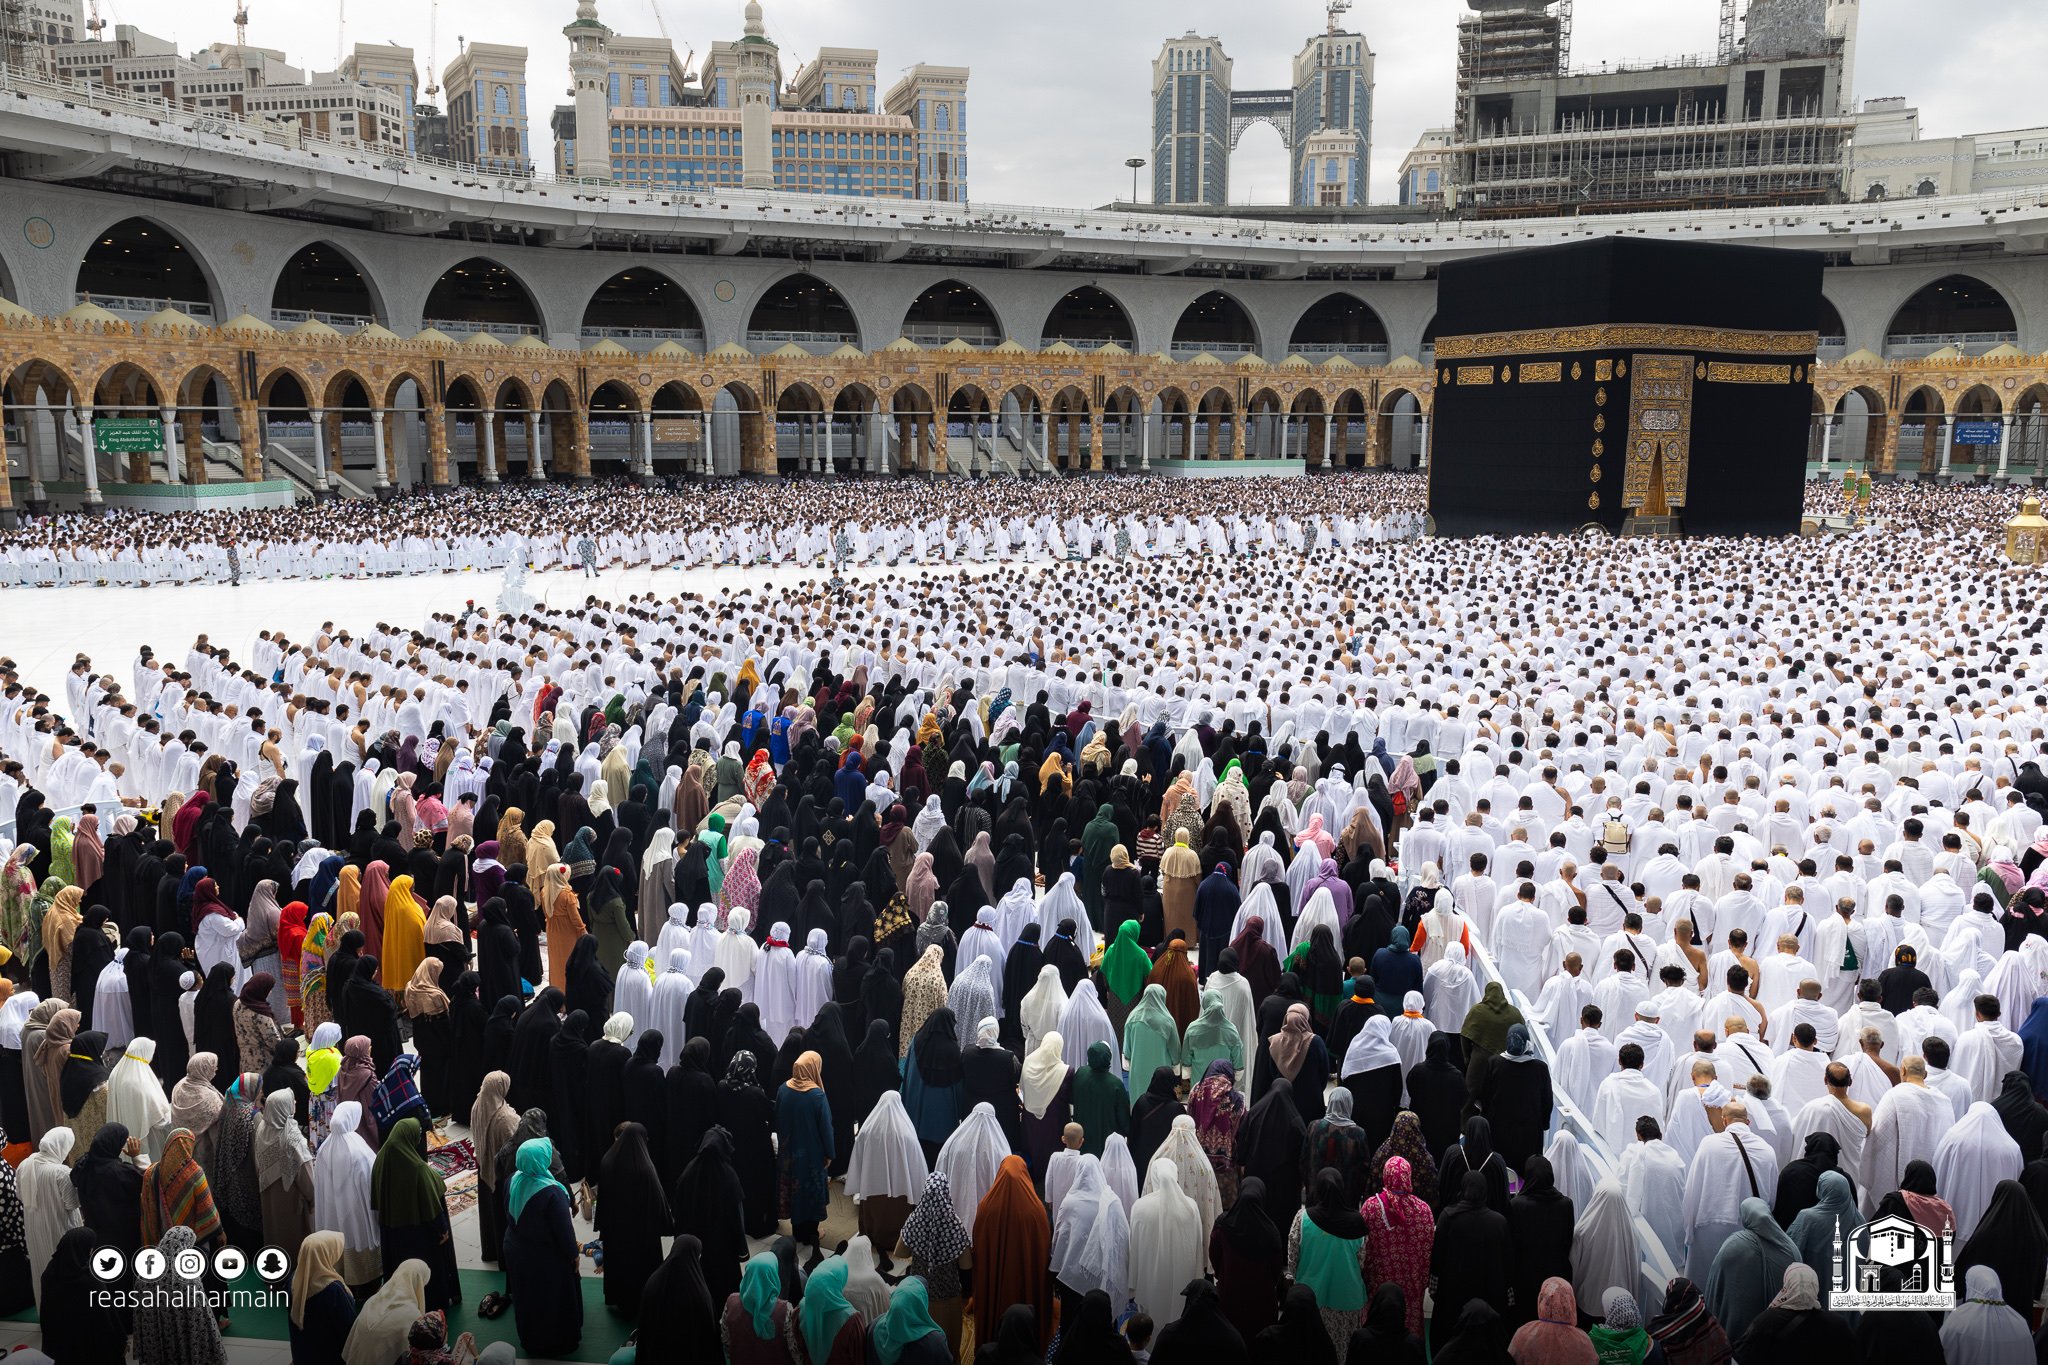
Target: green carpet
{"points": [[604, 1331]]}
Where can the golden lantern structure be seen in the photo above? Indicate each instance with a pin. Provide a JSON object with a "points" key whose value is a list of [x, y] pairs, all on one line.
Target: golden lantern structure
{"points": [[2026, 535]]}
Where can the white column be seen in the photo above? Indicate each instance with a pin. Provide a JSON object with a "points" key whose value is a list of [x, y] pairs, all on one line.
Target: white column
{"points": [[319, 448], [1329, 435], [831, 464], [174, 455], [92, 457], [710, 422], [2004, 442], [488, 431], [1948, 440], [536, 467], [647, 442], [377, 447], [1145, 442], [1827, 443], [32, 439], [1422, 443]]}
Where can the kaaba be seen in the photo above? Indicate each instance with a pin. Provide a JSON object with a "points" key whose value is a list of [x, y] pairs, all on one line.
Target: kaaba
{"points": [[1624, 383]]}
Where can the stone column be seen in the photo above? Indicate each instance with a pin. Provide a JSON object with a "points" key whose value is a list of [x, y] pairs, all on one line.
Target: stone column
{"points": [[320, 488], [487, 429], [710, 456], [93, 499], [1827, 443], [249, 422], [2004, 443], [647, 443], [173, 450], [192, 442], [377, 449], [9, 518], [536, 465], [1145, 443], [1329, 433], [1237, 426], [1094, 439], [1948, 441], [1422, 442]]}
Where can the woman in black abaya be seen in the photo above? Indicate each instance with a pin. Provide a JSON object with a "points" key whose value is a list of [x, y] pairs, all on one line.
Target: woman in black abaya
{"points": [[570, 1121], [691, 1092], [709, 1205], [1469, 1259], [1474, 1153], [1269, 1147], [497, 952], [646, 1102], [632, 1217], [532, 1087], [1540, 1222], [748, 1115]]}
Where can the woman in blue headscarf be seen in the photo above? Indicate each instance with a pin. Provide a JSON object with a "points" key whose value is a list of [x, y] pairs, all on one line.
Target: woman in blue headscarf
{"points": [[540, 1256], [760, 1326], [1749, 1269]]}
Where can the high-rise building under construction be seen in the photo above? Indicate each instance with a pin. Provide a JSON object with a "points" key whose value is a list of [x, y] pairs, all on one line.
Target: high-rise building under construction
{"points": [[1763, 119]]}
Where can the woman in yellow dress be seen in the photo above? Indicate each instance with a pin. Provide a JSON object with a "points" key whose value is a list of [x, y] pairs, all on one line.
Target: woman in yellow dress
{"points": [[405, 935]]}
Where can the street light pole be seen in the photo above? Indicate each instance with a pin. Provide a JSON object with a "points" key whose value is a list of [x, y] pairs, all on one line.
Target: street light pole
{"points": [[1135, 163]]}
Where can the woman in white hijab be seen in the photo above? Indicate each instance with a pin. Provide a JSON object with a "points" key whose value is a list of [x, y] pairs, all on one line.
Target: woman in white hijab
{"points": [[1091, 1236], [633, 991], [1045, 1071], [1120, 1171], [112, 1012], [665, 1008], [1085, 1023], [1063, 902], [49, 1201], [1975, 1155], [1321, 909], [1605, 1254], [775, 984], [886, 1173], [135, 1097], [384, 1324], [865, 1288], [341, 1196], [1042, 1007], [928, 823], [284, 1171], [1258, 901], [969, 1161], [973, 998], [219, 939], [1449, 990], [737, 953], [983, 941], [1410, 1031], [1568, 1164], [1197, 1174], [705, 936], [813, 976], [675, 932], [1984, 1329], [1009, 916], [1168, 1244]]}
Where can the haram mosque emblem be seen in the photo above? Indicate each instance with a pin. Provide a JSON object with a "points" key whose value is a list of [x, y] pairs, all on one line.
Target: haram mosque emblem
{"points": [[1892, 1264]]}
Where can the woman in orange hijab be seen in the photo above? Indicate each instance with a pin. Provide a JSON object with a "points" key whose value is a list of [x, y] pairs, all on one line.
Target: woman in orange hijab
{"points": [[1012, 1246]]}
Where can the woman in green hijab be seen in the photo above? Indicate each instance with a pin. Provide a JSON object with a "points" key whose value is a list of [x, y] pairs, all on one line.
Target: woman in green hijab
{"points": [[1125, 965], [1151, 1039], [1487, 1023], [1101, 1103], [411, 1203], [760, 1325], [540, 1255], [833, 1333], [906, 1334]]}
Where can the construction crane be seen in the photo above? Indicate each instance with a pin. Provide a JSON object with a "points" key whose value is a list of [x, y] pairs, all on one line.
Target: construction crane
{"points": [[241, 25], [1332, 12], [432, 87], [95, 25]]}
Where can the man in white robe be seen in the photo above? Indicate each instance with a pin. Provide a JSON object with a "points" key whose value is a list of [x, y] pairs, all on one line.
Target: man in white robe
{"points": [[1940, 1079], [1985, 1053], [1646, 1031], [1798, 1078], [1846, 1119], [1696, 1112], [1767, 1118], [1625, 1096], [1729, 1167], [1907, 1127], [1654, 1177], [1809, 1008], [1586, 1059], [1868, 1013]]}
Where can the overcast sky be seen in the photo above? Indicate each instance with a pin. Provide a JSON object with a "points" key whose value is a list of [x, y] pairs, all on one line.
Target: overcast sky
{"points": [[1060, 91]]}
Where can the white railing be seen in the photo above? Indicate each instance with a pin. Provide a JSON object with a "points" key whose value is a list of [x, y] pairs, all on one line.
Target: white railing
{"points": [[1183, 348], [1087, 343], [340, 322], [460, 329], [141, 305], [764, 340], [1372, 352], [682, 336], [979, 337], [1917, 345]]}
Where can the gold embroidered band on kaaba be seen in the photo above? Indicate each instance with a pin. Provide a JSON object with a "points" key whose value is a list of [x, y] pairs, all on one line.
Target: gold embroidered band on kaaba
{"points": [[1620, 335]]}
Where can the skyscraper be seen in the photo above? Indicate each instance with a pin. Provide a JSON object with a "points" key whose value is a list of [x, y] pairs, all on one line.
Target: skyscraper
{"points": [[1191, 135], [1332, 131]]}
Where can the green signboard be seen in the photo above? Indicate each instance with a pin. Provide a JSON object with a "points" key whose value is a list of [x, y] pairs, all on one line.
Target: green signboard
{"points": [[128, 435]]}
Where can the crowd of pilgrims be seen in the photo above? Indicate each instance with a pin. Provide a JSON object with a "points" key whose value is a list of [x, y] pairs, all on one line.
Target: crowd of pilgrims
{"points": [[1136, 1021], [561, 526]]}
